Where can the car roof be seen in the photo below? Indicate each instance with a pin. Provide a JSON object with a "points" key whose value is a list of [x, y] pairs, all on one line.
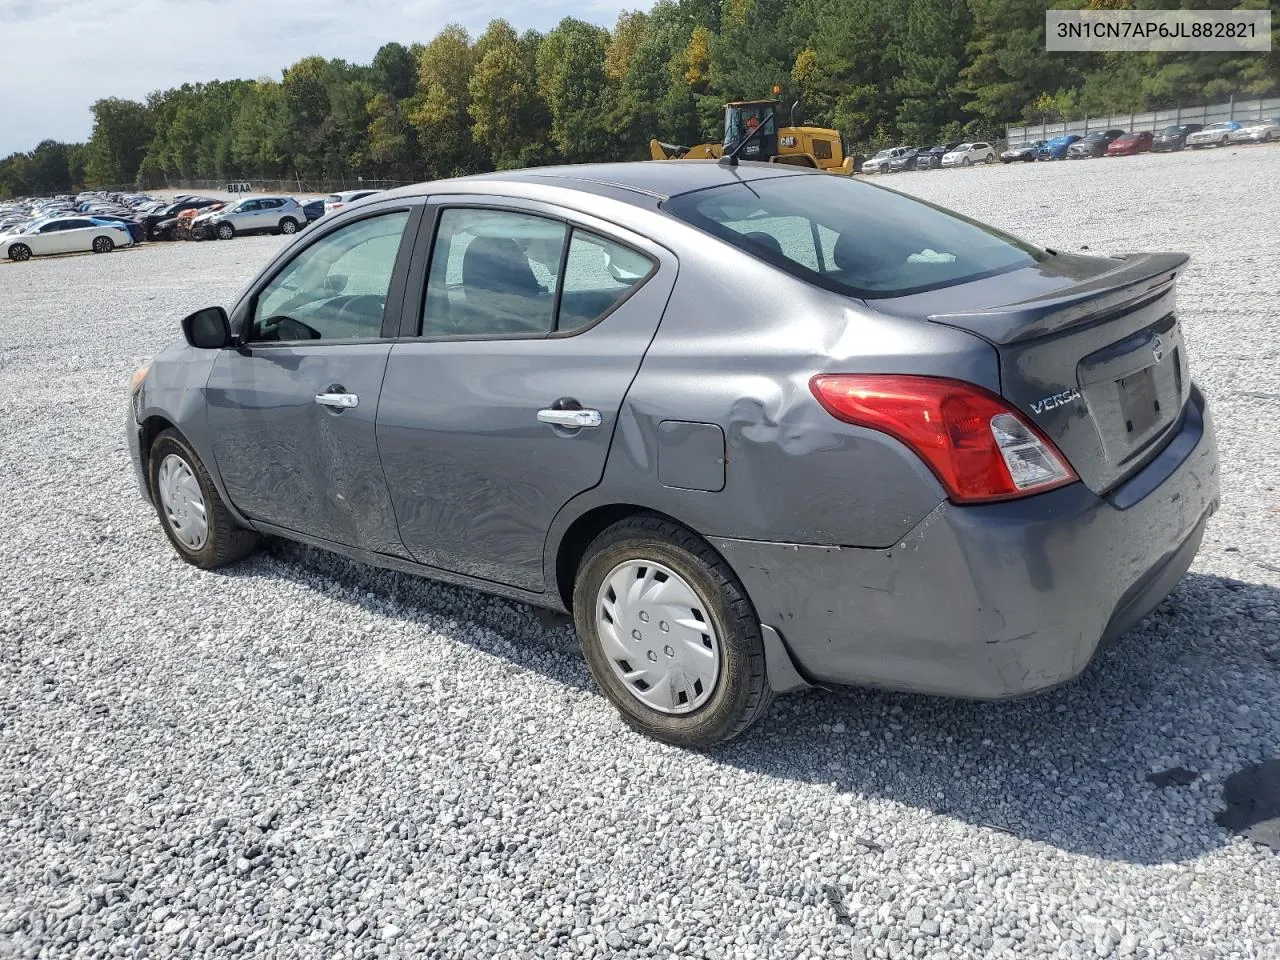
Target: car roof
{"points": [[639, 182]]}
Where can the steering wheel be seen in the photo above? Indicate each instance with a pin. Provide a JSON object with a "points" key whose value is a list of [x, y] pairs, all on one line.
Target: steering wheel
{"points": [[360, 307], [281, 328]]}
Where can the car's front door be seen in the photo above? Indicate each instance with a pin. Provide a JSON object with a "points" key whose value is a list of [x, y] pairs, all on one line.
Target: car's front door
{"points": [[292, 410], [503, 405]]}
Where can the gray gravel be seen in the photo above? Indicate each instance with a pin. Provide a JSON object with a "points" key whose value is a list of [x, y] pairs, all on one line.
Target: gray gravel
{"points": [[301, 757]]}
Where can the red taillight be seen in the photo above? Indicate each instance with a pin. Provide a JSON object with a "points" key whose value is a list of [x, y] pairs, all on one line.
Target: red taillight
{"points": [[978, 446]]}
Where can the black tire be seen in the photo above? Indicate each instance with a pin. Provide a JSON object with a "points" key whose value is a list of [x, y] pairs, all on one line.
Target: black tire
{"points": [[225, 542], [966, 162], [19, 252], [742, 693], [103, 245], [991, 158], [288, 226], [225, 231]]}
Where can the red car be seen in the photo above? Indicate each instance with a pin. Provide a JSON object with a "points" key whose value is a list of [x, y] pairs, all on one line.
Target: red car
{"points": [[1130, 143]]}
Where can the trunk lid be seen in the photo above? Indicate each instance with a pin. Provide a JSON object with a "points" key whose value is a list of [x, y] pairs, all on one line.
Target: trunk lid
{"points": [[1090, 349]]}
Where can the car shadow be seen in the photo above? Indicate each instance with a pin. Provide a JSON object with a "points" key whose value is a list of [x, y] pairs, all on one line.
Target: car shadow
{"points": [[1078, 768]]}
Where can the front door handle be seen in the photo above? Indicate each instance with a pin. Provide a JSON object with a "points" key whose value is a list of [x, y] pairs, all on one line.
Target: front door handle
{"points": [[339, 401], [570, 419]]}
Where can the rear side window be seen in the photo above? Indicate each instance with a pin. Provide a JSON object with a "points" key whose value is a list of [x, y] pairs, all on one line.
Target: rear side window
{"points": [[852, 237], [497, 273], [598, 275], [493, 273]]}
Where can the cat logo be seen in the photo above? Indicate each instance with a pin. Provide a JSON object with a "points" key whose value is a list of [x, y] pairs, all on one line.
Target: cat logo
{"points": [[788, 141]]}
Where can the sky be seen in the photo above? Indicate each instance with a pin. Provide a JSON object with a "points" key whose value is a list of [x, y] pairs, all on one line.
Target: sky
{"points": [[69, 53]]}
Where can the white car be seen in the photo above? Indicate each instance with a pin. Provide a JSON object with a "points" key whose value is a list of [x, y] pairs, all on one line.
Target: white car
{"points": [[880, 162], [968, 154], [65, 235], [1214, 135], [1260, 131], [339, 200]]}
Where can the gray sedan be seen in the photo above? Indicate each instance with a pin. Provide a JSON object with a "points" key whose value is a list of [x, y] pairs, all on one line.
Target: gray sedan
{"points": [[756, 428]]}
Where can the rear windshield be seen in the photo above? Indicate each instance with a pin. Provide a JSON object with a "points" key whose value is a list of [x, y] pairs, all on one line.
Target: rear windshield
{"points": [[852, 237]]}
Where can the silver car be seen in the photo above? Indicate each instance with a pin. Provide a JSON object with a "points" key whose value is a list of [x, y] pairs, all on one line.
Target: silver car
{"points": [[755, 427], [252, 215]]}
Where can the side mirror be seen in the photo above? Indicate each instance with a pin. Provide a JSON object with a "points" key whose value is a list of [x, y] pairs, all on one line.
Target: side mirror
{"points": [[335, 283], [207, 329]]}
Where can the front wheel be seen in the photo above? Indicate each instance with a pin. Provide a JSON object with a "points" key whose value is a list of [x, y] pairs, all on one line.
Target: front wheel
{"points": [[288, 226], [103, 245], [226, 231], [669, 634], [967, 162], [192, 513], [19, 252]]}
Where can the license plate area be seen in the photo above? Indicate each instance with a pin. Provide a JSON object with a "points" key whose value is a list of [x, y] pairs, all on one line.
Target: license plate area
{"points": [[1139, 401], [1134, 389]]}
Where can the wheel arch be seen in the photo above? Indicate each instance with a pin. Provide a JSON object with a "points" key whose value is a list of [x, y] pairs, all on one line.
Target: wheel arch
{"points": [[148, 430]]}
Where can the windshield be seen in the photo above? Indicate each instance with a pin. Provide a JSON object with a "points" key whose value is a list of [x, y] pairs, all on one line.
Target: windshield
{"points": [[882, 154], [851, 237], [1217, 126], [963, 147]]}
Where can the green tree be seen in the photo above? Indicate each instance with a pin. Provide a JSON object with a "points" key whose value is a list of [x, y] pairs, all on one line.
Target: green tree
{"points": [[506, 112], [440, 110], [121, 133], [571, 79]]}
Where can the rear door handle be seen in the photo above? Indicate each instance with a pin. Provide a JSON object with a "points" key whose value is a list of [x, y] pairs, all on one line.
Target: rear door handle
{"points": [[339, 401], [570, 419]]}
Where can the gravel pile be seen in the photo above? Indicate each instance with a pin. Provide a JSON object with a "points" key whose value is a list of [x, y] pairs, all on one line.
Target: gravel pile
{"points": [[301, 757]]}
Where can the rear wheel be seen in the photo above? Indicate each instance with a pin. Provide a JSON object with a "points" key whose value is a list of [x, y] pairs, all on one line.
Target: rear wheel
{"points": [[288, 226], [991, 158], [103, 245], [226, 231], [669, 634], [19, 252], [191, 512]]}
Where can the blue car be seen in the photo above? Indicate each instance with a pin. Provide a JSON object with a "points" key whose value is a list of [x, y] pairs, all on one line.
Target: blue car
{"points": [[1056, 149], [135, 229]]}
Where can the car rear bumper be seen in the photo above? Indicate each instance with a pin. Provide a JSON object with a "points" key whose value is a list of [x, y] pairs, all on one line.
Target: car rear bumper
{"points": [[992, 601]]}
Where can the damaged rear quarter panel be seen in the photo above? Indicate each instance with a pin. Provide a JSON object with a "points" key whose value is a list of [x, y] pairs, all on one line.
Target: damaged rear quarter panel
{"points": [[741, 356]]}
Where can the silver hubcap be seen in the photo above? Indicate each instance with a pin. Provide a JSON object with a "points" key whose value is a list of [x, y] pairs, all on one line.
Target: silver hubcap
{"points": [[182, 501], [658, 636]]}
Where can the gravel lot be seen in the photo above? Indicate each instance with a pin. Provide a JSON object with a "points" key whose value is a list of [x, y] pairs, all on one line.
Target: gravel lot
{"points": [[302, 757]]}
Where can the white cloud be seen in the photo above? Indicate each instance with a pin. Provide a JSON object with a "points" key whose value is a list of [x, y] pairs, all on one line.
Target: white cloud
{"points": [[66, 54]]}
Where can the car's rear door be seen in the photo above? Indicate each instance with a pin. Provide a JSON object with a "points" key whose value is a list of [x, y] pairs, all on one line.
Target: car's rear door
{"points": [[292, 410], [500, 404]]}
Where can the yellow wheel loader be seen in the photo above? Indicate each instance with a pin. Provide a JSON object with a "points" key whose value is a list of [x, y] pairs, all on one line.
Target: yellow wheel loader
{"points": [[751, 132]]}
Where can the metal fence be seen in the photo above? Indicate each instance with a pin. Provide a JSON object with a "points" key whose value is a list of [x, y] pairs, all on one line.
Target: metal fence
{"points": [[1233, 109], [295, 185]]}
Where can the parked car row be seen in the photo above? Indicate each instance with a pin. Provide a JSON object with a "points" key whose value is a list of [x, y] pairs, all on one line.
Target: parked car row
{"points": [[100, 222], [1110, 143], [89, 222], [1121, 143], [956, 154]]}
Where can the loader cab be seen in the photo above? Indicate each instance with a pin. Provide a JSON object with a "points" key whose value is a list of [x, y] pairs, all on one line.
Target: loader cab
{"points": [[743, 117]]}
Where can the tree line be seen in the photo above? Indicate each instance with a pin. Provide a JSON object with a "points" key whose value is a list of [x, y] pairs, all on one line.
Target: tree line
{"points": [[880, 71]]}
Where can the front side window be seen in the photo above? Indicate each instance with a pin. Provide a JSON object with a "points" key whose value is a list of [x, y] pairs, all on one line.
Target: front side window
{"points": [[872, 242], [335, 288], [493, 273]]}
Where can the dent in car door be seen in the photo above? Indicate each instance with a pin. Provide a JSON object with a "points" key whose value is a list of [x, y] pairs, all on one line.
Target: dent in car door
{"points": [[292, 411], [475, 471]]}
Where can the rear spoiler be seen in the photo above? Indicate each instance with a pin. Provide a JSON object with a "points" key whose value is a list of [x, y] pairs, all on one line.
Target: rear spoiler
{"points": [[1136, 277]]}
